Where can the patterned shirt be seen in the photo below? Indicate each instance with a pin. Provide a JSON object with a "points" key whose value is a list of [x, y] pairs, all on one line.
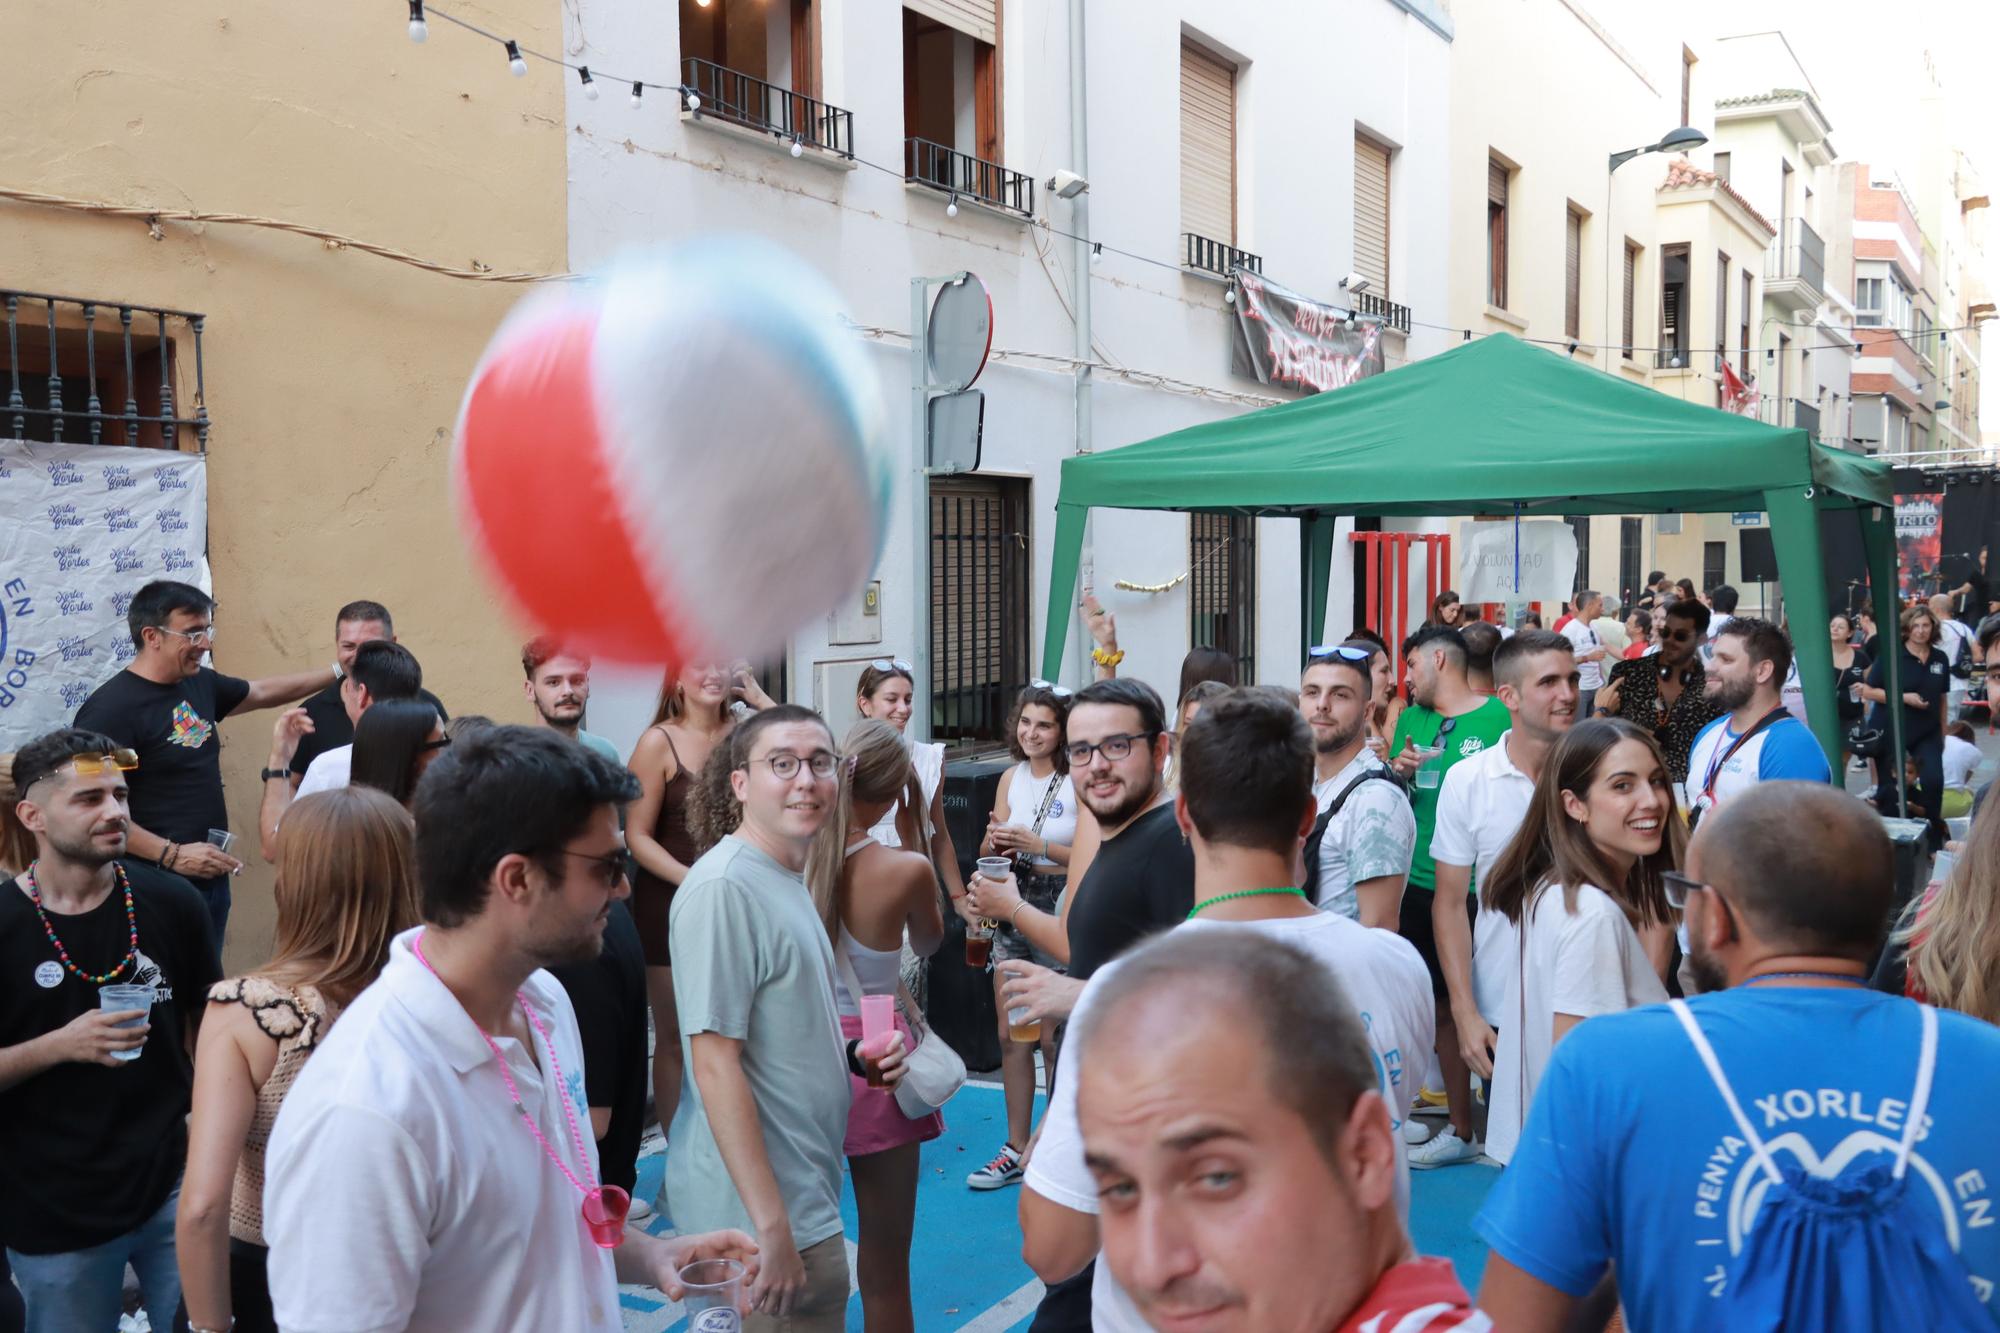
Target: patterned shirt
{"points": [[1640, 702]]}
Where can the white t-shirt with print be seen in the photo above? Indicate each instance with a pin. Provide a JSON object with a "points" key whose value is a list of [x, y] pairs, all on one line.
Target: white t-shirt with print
{"points": [[1590, 675], [1382, 975], [1586, 962], [1372, 836]]}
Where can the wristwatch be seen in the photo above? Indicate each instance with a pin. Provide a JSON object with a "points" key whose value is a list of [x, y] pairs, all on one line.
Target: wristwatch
{"points": [[270, 773]]}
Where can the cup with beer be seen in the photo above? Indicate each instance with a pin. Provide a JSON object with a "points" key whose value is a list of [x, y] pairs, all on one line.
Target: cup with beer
{"points": [[1021, 1027], [979, 933], [878, 1022]]}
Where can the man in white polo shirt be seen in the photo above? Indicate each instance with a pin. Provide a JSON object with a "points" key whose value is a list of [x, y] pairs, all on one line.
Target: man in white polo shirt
{"points": [[1480, 808], [402, 1189]]}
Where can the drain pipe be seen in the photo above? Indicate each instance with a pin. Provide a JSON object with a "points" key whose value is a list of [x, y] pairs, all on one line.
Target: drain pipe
{"points": [[1081, 383]]}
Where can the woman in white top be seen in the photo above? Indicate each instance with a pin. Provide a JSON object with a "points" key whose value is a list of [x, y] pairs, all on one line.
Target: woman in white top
{"points": [[1582, 883], [886, 693], [869, 895], [1033, 824], [1961, 760]]}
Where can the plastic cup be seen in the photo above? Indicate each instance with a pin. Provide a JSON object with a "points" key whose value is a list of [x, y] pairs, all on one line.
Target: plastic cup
{"points": [[124, 995], [979, 943], [1021, 1028], [604, 1211], [878, 1021], [994, 867], [221, 839], [712, 1290]]}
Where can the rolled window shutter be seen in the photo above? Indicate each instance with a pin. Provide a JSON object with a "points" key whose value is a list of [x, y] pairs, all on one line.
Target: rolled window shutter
{"points": [[1371, 213], [1573, 274], [977, 18], [1208, 145], [1631, 293], [1496, 181]]}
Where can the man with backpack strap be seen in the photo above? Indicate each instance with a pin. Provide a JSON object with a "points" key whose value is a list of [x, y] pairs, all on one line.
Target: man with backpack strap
{"points": [[1358, 855], [1480, 809], [1787, 1150]]}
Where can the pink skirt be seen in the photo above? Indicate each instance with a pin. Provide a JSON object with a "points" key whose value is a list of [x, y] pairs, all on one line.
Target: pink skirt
{"points": [[874, 1122]]}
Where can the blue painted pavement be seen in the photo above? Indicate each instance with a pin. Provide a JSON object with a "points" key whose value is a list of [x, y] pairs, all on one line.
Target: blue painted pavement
{"points": [[966, 1274]]}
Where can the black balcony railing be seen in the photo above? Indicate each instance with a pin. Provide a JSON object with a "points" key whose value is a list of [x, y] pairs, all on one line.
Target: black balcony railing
{"points": [[730, 95], [1806, 417], [1798, 254], [1395, 316], [81, 370], [962, 174], [1211, 256]]}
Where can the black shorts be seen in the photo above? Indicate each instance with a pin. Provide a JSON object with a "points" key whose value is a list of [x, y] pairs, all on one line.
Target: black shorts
{"points": [[1416, 927]]}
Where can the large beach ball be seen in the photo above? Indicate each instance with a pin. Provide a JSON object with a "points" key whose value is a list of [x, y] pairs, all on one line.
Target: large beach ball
{"points": [[677, 460]]}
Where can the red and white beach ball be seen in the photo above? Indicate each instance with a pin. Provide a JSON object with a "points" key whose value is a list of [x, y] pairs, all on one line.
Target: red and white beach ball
{"points": [[676, 461]]}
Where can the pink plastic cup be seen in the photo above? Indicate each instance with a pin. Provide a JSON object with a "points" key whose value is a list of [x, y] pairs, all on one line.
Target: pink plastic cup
{"points": [[878, 1022], [604, 1213]]}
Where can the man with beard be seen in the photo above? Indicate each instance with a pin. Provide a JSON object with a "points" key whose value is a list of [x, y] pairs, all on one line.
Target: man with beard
{"points": [[354, 624], [1666, 692], [1635, 1162], [1481, 806], [398, 1175], [558, 685], [94, 1114], [1141, 881], [1757, 739], [166, 708], [1358, 855]]}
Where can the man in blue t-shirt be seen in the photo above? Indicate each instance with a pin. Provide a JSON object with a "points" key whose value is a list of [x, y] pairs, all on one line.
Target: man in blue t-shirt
{"points": [[1631, 1160], [1757, 739]]}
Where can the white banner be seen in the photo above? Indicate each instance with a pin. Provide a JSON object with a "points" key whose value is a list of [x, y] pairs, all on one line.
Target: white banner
{"points": [[1487, 566], [82, 528]]}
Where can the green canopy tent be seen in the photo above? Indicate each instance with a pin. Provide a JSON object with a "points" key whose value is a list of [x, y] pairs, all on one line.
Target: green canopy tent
{"points": [[1498, 427]]}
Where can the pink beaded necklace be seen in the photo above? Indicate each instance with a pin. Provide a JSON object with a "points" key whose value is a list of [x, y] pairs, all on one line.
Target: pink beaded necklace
{"points": [[604, 1206]]}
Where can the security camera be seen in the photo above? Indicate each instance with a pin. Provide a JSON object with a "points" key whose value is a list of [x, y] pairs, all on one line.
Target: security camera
{"points": [[1067, 185], [1354, 283]]}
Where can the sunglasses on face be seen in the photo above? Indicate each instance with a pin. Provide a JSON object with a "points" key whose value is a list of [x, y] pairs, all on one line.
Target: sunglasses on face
{"points": [[437, 744], [618, 865]]}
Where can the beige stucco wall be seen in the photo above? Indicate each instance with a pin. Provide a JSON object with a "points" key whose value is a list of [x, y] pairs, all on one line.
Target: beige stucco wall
{"points": [[332, 377]]}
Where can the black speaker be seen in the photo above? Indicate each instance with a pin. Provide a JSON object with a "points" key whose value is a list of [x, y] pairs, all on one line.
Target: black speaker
{"points": [[1760, 562]]}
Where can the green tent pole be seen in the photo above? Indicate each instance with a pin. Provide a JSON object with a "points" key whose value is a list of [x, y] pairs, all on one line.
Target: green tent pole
{"points": [[1795, 538], [1878, 539], [1063, 568], [1316, 533]]}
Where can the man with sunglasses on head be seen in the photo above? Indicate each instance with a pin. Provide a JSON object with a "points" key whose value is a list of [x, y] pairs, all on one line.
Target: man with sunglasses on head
{"points": [[93, 1113], [1358, 854], [758, 1140], [166, 707], [1666, 692]]}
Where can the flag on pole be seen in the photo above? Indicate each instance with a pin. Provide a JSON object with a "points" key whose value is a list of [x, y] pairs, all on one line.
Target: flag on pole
{"points": [[1737, 396]]}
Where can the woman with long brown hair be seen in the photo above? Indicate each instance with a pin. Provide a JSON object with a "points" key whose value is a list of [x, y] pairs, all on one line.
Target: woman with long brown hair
{"points": [[346, 886], [1446, 610], [693, 717], [1582, 885], [1946, 952], [869, 895], [886, 692]]}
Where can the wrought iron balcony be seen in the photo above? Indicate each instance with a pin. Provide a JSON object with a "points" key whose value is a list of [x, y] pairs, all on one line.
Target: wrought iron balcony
{"points": [[740, 99], [1795, 267], [81, 370], [968, 177], [1395, 316], [1805, 416], [1211, 256]]}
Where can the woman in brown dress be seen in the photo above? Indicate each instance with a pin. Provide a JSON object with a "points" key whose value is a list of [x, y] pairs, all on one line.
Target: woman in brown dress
{"points": [[693, 717]]}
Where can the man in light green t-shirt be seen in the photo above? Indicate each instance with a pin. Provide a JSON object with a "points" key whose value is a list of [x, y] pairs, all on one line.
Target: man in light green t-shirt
{"points": [[558, 685], [1448, 718]]}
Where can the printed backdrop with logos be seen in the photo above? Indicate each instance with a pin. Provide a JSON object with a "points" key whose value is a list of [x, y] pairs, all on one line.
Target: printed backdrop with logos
{"points": [[82, 528]]}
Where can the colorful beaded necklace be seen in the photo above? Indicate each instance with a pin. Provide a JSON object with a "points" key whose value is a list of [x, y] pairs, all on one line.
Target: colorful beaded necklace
{"points": [[48, 927]]}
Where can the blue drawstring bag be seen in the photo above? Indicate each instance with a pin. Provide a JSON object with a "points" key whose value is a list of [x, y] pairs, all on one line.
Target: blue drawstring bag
{"points": [[1855, 1251]]}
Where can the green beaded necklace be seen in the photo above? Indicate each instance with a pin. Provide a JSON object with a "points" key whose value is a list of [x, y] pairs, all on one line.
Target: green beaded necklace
{"points": [[1242, 893]]}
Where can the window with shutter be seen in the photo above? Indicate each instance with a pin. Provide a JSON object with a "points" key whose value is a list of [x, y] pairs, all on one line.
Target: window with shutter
{"points": [[1573, 274], [1673, 305], [1222, 587], [1743, 344], [1208, 145], [1496, 233], [1722, 166], [981, 588], [1721, 306], [1631, 294], [1371, 213], [977, 19]]}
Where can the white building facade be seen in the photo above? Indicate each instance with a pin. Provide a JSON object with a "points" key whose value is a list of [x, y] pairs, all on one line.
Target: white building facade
{"points": [[885, 142]]}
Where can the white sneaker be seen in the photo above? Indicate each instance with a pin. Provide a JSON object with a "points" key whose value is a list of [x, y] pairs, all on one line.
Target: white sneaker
{"points": [[640, 1211], [1416, 1132], [1447, 1149]]}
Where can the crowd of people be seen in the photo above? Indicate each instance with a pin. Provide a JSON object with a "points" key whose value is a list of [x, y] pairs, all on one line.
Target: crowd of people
{"points": [[1268, 950]]}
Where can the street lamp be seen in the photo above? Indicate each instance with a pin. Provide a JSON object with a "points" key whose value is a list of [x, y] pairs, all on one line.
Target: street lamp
{"points": [[1680, 139]]}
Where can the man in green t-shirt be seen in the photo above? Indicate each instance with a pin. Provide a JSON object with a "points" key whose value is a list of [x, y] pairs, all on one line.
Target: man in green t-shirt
{"points": [[1447, 722]]}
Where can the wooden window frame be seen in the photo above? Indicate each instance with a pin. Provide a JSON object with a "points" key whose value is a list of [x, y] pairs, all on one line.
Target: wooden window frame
{"points": [[1629, 327], [1573, 272], [1499, 181]]}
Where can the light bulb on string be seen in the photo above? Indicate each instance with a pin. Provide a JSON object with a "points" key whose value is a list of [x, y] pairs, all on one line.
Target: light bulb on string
{"points": [[514, 61], [798, 149], [951, 207], [638, 94], [418, 28], [1229, 297], [1097, 253], [589, 84], [693, 99]]}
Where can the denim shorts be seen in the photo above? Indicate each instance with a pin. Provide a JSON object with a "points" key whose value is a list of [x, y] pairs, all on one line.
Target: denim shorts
{"points": [[1041, 891]]}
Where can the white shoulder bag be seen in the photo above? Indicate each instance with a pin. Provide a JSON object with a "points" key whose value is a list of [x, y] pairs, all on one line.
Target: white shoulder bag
{"points": [[932, 1071]]}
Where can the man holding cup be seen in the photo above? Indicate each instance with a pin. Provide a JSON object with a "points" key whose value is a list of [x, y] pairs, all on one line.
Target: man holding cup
{"points": [[95, 1077]]}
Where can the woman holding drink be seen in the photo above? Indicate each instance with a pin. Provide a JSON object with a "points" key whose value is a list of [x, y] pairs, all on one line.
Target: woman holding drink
{"points": [[1017, 887], [869, 895], [346, 885]]}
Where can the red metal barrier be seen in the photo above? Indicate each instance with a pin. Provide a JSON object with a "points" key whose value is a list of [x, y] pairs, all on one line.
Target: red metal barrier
{"points": [[1387, 608]]}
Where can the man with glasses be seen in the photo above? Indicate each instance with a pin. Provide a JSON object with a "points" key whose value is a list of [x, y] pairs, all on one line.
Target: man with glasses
{"points": [[757, 1142], [1667, 692], [94, 1114], [401, 1187], [165, 707], [1633, 1161], [1358, 854]]}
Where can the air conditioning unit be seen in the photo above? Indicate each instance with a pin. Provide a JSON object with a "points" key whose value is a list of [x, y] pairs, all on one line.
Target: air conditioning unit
{"points": [[1670, 525]]}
